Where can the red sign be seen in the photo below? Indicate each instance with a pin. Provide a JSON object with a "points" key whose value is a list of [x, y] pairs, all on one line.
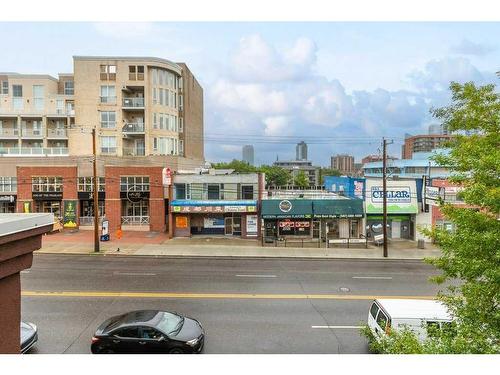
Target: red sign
{"points": [[167, 176]]}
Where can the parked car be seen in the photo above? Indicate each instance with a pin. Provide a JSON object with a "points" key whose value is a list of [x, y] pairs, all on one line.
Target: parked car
{"points": [[418, 315], [149, 331], [29, 336]]}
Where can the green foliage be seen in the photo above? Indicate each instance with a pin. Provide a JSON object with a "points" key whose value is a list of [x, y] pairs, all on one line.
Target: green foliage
{"points": [[396, 342], [470, 258], [238, 166], [301, 180], [275, 176], [327, 172]]}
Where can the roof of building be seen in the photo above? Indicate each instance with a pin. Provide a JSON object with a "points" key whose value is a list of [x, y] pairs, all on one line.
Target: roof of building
{"points": [[28, 76], [174, 65], [14, 223]]}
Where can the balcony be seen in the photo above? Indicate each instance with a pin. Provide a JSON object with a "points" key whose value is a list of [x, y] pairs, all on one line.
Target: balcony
{"points": [[133, 151], [135, 220], [33, 151], [32, 133], [133, 128], [62, 113], [7, 133], [57, 134], [89, 220], [133, 103]]}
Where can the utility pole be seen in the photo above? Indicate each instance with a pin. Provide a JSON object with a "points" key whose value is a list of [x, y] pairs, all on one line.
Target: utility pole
{"points": [[96, 194], [384, 193]]}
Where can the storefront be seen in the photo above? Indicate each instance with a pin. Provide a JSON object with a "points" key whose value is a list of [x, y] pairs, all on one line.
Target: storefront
{"points": [[135, 208], [215, 217], [7, 203], [339, 218], [288, 218], [402, 208], [86, 204], [47, 195]]}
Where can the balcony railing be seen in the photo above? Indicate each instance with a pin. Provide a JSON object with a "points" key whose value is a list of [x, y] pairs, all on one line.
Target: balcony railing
{"points": [[133, 102], [27, 151], [9, 133], [133, 128], [57, 133], [108, 99], [135, 220], [133, 151], [89, 220], [33, 133]]}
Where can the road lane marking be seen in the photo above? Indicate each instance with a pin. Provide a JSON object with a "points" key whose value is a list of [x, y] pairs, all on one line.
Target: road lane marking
{"points": [[133, 273], [270, 276], [338, 327], [373, 277], [91, 294]]}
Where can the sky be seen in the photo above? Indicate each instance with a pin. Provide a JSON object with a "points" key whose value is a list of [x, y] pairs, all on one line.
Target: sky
{"points": [[339, 86]]}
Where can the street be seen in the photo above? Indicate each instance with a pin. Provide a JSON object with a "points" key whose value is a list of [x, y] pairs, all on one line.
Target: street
{"points": [[245, 305]]}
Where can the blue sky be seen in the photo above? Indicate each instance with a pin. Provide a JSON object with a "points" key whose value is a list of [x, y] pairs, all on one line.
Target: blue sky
{"points": [[300, 80]]}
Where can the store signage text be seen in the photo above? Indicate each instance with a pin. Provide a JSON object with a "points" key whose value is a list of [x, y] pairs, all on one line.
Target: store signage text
{"points": [[401, 195], [285, 206], [212, 209], [7, 198], [47, 195]]}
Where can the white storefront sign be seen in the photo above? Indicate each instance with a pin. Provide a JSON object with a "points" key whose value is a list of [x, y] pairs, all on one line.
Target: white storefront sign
{"points": [[252, 222]]}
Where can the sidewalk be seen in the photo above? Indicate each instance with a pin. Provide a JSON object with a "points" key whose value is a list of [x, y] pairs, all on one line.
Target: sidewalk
{"points": [[158, 244]]}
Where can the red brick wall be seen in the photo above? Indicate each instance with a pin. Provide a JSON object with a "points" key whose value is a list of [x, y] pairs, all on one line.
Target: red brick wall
{"points": [[436, 212], [156, 199], [24, 174]]}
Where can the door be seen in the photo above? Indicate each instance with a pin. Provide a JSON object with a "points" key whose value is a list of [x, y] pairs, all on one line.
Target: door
{"points": [[228, 226], [124, 340], [151, 341], [316, 228], [237, 226], [140, 147], [396, 229]]}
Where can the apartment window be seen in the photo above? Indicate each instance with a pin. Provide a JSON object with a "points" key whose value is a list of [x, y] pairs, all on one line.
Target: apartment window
{"points": [[69, 87], [181, 125], [70, 107], [155, 76], [213, 191], [155, 120], [155, 144], [181, 147], [136, 73], [87, 184], [8, 184], [181, 102], [46, 184], [17, 93], [108, 72], [247, 192], [38, 100], [108, 94], [166, 146], [108, 145], [5, 88], [134, 183], [162, 98], [182, 191], [108, 119]]}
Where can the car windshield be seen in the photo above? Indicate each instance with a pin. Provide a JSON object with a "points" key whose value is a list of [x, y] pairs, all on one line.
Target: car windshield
{"points": [[170, 323]]}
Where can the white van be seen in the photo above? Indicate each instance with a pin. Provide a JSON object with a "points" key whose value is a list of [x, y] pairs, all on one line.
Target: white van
{"points": [[387, 314]]}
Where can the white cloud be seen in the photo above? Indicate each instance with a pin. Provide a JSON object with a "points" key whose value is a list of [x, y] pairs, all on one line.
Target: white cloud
{"points": [[467, 47], [256, 61], [124, 30], [248, 97], [276, 125]]}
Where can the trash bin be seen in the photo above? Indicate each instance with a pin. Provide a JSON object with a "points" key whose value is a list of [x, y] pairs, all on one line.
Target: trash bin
{"points": [[105, 237], [420, 244]]}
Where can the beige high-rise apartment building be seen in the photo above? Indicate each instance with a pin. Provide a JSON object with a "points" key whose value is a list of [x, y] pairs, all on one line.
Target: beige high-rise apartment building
{"points": [[148, 115]]}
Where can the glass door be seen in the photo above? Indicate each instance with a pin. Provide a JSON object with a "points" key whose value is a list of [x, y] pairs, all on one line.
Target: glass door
{"points": [[228, 226], [316, 228]]}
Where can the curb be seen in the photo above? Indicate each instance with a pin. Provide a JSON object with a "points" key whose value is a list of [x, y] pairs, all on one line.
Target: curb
{"points": [[232, 257]]}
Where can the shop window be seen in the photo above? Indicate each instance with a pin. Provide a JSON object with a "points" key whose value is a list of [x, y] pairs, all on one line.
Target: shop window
{"points": [[247, 192], [46, 184], [87, 184], [294, 228], [134, 183], [181, 191], [213, 191]]}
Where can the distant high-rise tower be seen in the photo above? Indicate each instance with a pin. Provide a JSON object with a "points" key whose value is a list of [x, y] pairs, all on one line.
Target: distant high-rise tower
{"points": [[301, 151], [247, 154]]}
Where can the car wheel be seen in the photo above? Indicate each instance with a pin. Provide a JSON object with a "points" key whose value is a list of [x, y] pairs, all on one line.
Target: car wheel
{"points": [[176, 351]]}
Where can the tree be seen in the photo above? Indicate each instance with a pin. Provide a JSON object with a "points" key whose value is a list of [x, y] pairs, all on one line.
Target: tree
{"points": [[275, 176], [471, 253], [327, 172], [301, 180], [238, 166]]}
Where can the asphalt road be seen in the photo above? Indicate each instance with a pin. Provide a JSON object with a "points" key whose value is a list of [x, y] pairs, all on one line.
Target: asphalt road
{"points": [[245, 305]]}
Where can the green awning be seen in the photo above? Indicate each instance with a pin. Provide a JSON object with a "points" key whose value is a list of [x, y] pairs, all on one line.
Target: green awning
{"points": [[337, 208], [286, 208]]}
